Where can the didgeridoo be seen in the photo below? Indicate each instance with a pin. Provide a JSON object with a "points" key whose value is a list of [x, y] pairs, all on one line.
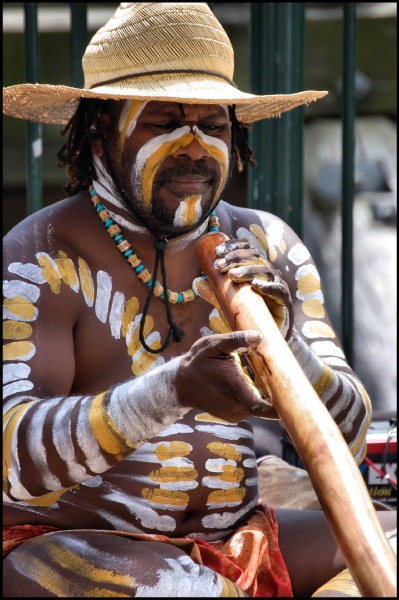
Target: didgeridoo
{"points": [[332, 469]]}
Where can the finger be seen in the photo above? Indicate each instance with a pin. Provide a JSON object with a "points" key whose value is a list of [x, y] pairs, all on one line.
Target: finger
{"points": [[239, 258], [202, 287], [249, 273], [236, 341], [232, 245]]}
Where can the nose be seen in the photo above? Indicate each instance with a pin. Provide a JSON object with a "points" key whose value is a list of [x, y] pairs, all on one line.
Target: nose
{"points": [[193, 150]]}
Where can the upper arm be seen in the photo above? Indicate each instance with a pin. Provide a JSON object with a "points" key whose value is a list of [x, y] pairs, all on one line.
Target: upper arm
{"points": [[38, 318]]}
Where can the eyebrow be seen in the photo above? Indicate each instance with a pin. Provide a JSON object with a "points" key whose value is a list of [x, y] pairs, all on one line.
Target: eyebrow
{"points": [[177, 109]]}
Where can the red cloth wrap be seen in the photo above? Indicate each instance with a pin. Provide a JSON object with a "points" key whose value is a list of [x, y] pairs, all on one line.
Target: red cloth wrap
{"points": [[250, 557]]}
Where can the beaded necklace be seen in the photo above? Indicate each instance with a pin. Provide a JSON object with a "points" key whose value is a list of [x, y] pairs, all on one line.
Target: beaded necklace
{"points": [[125, 248], [156, 288]]}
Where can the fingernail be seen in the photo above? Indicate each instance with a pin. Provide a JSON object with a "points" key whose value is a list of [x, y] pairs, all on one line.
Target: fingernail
{"points": [[254, 337], [236, 272], [220, 262]]}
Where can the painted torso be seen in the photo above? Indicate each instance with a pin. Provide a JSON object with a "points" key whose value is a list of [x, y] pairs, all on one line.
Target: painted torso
{"points": [[197, 476]]}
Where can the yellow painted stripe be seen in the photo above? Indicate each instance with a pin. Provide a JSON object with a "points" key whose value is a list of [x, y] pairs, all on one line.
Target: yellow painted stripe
{"points": [[109, 438]]}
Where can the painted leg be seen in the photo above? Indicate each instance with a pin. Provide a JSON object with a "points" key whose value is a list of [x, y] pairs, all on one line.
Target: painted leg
{"points": [[82, 564]]}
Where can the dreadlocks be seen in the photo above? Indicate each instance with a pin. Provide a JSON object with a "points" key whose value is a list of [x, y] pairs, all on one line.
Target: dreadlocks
{"points": [[76, 154]]}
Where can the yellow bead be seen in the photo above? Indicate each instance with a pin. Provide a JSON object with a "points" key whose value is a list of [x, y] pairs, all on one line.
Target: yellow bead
{"points": [[123, 246], [144, 276], [188, 296], [173, 297], [158, 290], [134, 261], [104, 216]]}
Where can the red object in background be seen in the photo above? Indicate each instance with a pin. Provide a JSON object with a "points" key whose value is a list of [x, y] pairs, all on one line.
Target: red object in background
{"points": [[379, 468]]}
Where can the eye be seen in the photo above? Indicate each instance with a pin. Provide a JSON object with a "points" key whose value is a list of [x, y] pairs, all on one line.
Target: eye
{"points": [[213, 128], [165, 125]]}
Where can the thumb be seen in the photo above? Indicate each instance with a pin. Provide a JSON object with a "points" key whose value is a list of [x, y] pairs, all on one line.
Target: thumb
{"points": [[202, 287]]}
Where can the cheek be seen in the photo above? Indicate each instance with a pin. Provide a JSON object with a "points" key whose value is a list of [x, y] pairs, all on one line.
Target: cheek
{"points": [[152, 155]]}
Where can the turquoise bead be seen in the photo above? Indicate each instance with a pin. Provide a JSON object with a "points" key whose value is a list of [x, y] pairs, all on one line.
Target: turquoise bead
{"points": [[128, 253]]}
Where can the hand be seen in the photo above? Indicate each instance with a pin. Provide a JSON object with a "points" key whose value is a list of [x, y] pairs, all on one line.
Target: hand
{"points": [[245, 264], [210, 377]]}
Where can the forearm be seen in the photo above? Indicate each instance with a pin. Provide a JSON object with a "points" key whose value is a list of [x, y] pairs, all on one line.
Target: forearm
{"points": [[338, 388], [56, 443]]}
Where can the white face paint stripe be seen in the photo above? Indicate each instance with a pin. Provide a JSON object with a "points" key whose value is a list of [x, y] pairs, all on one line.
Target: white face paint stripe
{"points": [[124, 115], [184, 207], [154, 144]]}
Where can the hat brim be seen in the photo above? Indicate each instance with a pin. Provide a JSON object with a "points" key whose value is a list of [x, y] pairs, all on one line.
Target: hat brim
{"points": [[56, 104]]}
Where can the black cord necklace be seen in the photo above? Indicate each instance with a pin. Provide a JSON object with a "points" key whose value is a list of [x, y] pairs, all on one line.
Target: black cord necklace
{"points": [[156, 289]]}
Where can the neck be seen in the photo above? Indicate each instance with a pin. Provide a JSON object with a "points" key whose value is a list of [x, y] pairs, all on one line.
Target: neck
{"points": [[105, 189]]}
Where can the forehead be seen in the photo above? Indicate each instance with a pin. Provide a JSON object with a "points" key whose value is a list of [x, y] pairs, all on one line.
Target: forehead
{"points": [[157, 108]]}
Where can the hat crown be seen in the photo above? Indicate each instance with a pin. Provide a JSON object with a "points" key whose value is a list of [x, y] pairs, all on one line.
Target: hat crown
{"points": [[145, 37]]}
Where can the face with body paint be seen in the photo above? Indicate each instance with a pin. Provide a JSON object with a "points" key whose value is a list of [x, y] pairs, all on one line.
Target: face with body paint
{"points": [[172, 159]]}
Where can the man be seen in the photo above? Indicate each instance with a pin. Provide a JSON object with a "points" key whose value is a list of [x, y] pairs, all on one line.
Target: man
{"points": [[129, 464]]}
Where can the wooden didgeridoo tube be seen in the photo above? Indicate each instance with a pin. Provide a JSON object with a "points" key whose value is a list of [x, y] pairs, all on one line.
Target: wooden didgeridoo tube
{"points": [[332, 469]]}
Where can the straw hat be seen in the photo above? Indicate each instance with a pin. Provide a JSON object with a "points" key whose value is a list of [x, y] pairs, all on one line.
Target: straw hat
{"points": [[174, 51]]}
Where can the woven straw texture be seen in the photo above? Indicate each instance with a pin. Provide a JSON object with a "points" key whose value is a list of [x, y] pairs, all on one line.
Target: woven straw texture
{"points": [[173, 51]]}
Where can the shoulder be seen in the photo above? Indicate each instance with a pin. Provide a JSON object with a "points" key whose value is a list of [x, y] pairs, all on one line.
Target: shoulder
{"points": [[60, 224], [239, 222]]}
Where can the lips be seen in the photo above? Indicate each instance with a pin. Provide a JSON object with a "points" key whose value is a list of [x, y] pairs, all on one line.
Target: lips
{"points": [[186, 179], [187, 187]]}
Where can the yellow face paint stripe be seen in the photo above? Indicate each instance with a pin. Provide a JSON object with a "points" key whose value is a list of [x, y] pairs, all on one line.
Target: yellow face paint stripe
{"points": [[190, 214], [156, 158]]}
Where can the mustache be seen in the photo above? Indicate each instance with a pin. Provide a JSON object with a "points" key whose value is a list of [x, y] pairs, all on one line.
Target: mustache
{"points": [[189, 169]]}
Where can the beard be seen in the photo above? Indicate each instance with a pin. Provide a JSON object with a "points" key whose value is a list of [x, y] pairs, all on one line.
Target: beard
{"points": [[159, 219]]}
